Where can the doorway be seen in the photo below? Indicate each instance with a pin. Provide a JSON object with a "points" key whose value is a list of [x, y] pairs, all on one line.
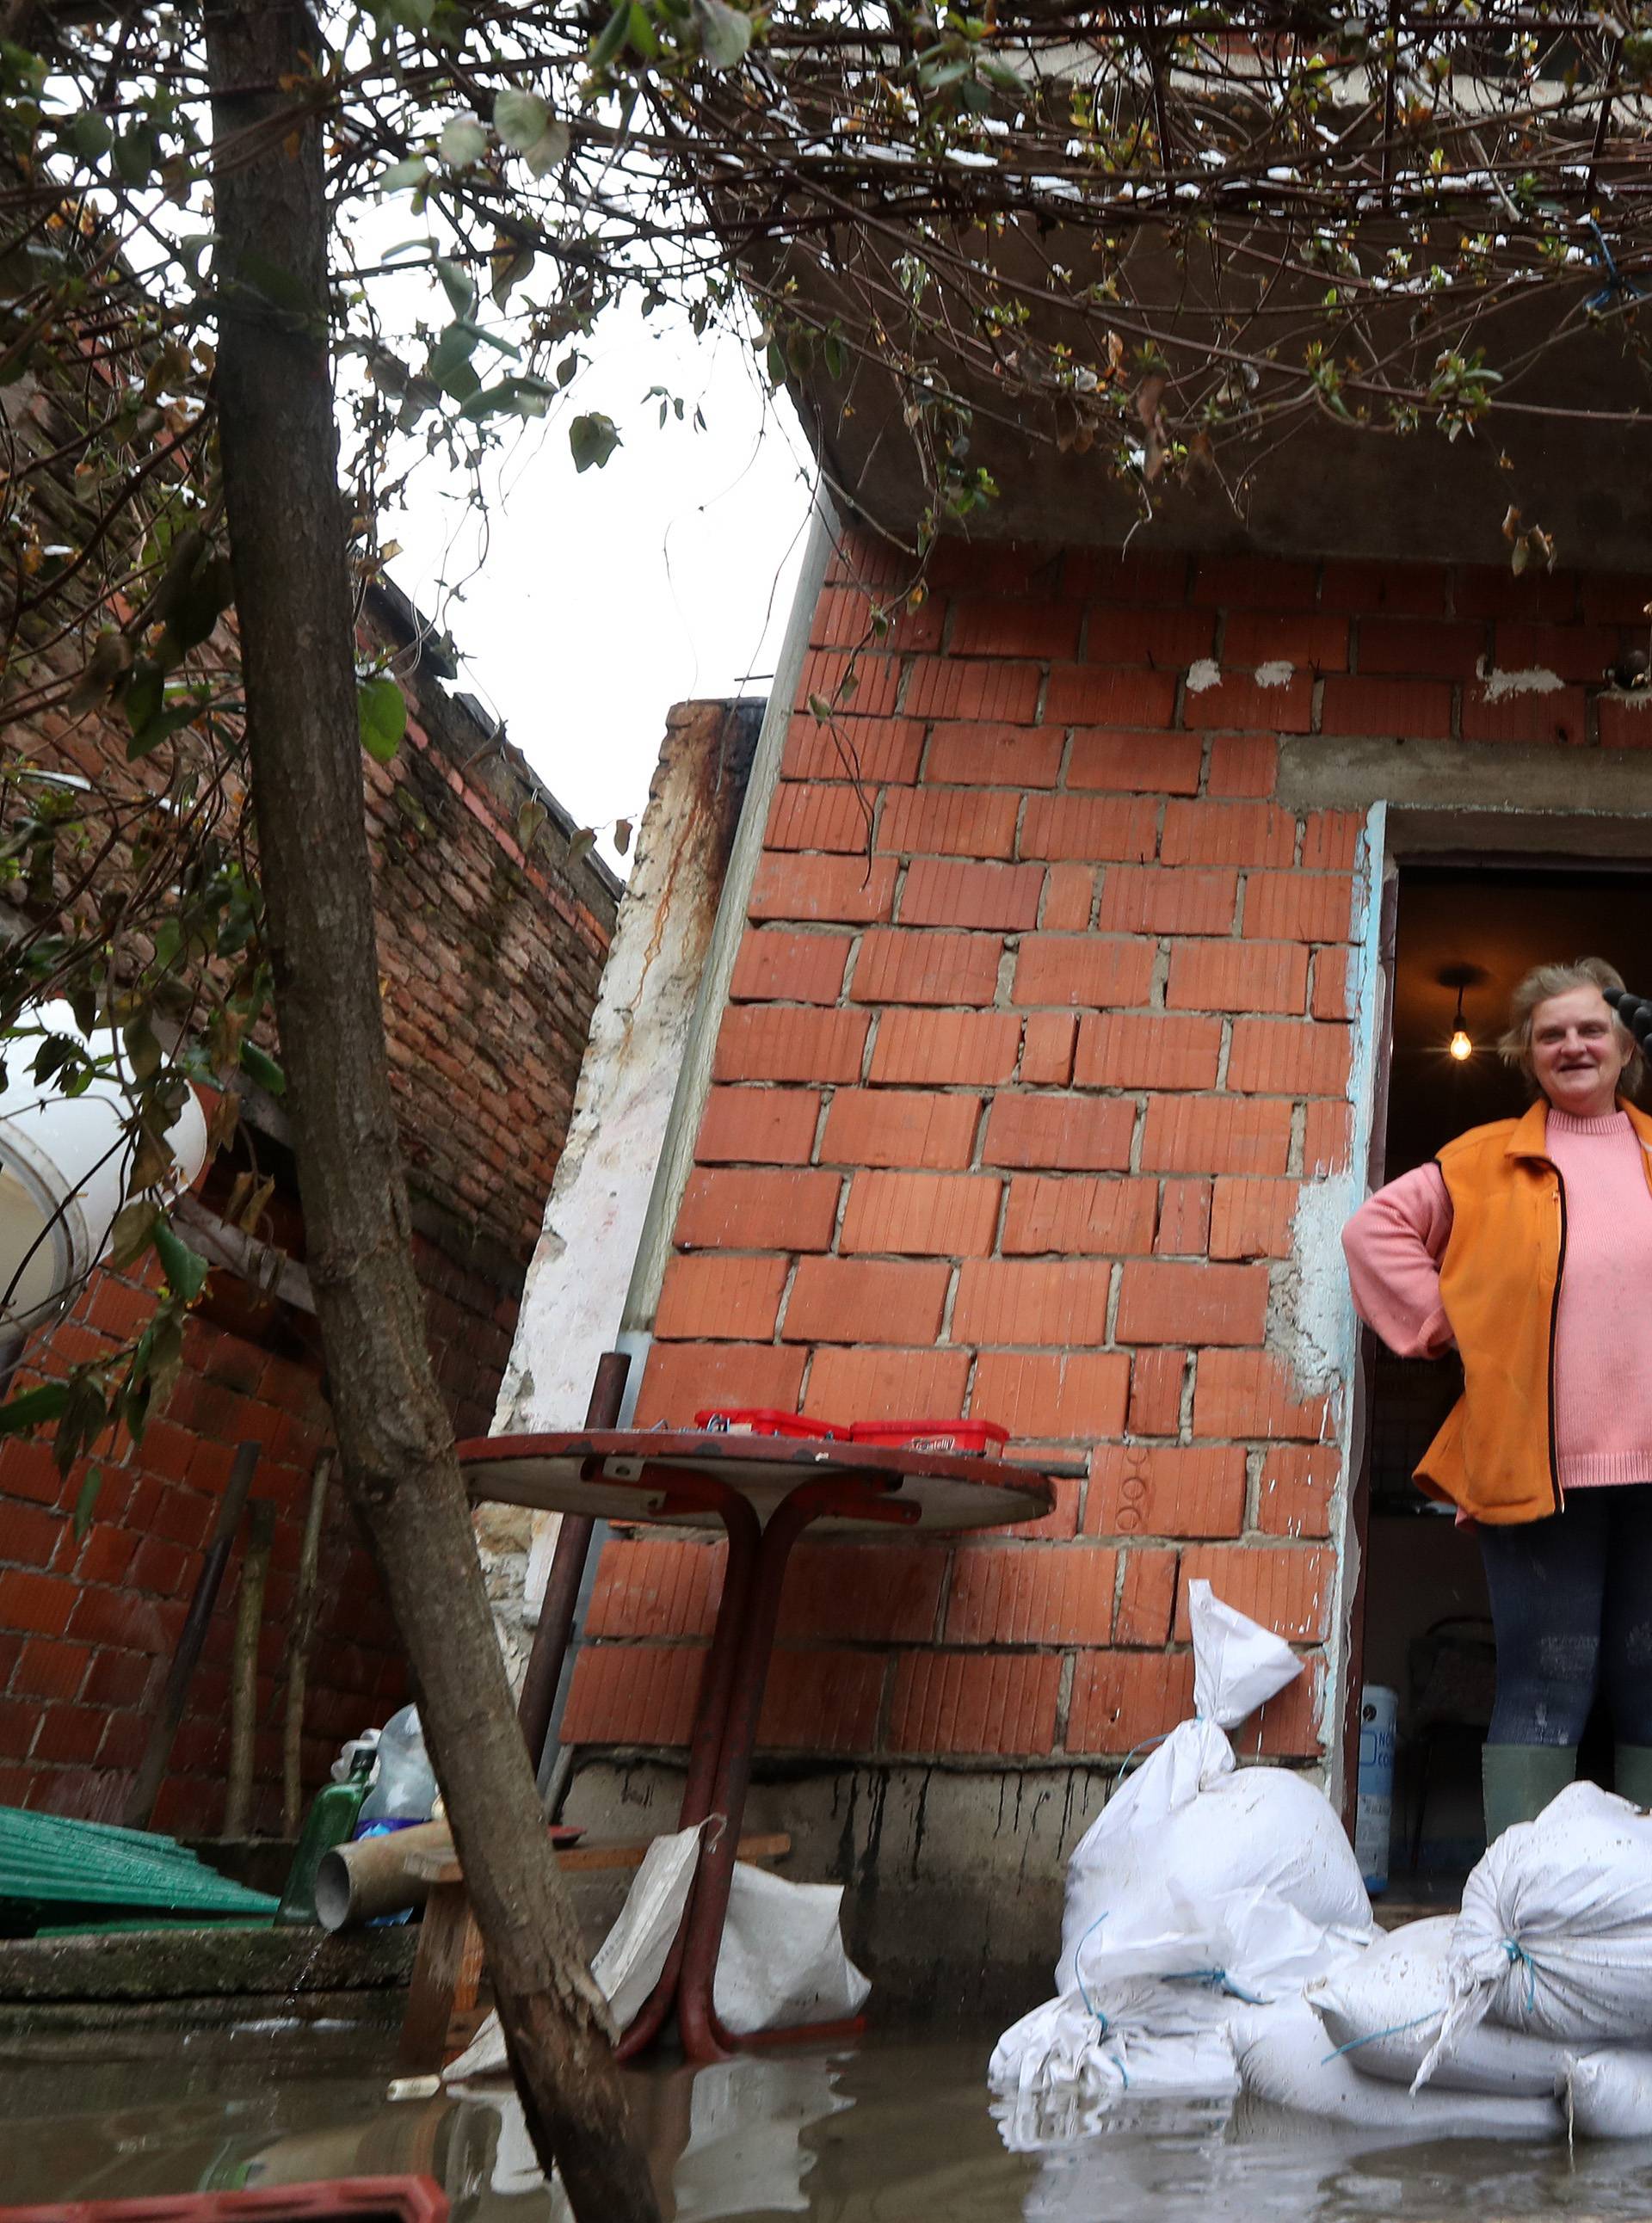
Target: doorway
{"points": [[1464, 934]]}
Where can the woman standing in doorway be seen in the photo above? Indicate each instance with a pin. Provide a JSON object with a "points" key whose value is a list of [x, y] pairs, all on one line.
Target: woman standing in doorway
{"points": [[1526, 1246]]}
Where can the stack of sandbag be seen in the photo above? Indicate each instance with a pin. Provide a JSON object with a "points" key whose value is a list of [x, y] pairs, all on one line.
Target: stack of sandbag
{"points": [[1199, 1888], [1525, 2012]]}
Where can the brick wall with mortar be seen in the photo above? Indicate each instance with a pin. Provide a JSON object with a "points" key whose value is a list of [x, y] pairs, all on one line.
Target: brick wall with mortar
{"points": [[490, 961], [1012, 1118]]}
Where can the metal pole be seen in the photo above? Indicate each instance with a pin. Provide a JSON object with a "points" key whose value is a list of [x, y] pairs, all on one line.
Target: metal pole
{"points": [[146, 1783], [567, 1569]]}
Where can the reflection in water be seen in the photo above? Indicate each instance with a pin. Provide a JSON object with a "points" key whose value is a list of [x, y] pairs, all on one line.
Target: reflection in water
{"points": [[894, 2131]]}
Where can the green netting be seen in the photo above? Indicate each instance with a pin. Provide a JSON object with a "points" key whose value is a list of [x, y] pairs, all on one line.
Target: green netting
{"points": [[46, 1859]]}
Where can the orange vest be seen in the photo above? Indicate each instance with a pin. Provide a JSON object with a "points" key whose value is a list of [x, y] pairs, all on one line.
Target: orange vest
{"points": [[1500, 1286]]}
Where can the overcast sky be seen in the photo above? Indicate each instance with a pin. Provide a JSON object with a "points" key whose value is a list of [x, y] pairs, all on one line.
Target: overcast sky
{"points": [[603, 598]]}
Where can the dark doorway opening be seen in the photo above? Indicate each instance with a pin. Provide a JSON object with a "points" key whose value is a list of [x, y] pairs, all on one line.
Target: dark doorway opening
{"points": [[1470, 930]]}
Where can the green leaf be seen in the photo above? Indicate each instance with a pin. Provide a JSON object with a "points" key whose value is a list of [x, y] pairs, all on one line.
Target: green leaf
{"points": [[132, 1233], [412, 172], [259, 1066], [143, 1052], [19, 1414], [613, 37], [725, 33], [381, 714], [550, 147], [200, 602], [149, 735], [457, 285], [90, 136], [462, 142], [135, 155], [519, 118], [593, 438], [85, 1503], [185, 1269]]}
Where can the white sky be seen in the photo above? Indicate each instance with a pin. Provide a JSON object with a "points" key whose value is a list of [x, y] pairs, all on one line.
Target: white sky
{"points": [[603, 598]]}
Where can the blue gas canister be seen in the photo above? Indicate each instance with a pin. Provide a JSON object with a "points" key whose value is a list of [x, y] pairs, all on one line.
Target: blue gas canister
{"points": [[1374, 1802]]}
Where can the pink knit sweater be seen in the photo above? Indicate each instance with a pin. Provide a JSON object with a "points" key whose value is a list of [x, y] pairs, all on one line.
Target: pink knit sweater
{"points": [[1602, 1343]]}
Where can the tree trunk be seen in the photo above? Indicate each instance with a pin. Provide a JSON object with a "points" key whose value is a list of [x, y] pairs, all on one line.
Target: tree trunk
{"points": [[292, 598]]}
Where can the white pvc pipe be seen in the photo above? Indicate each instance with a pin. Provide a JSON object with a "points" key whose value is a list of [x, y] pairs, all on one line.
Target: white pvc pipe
{"points": [[65, 1163]]}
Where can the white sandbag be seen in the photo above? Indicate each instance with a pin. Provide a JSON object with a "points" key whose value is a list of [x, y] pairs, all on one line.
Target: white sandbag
{"points": [[1066, 2065], [782, 1962], [1196, 1865], [1608, 2094], [1285, 2057], [1556, 1934], [1384, 2011]]}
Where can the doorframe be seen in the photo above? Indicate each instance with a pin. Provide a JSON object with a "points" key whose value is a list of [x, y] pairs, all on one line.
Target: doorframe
{"points": [[1360, 1413], [1407, 846]]}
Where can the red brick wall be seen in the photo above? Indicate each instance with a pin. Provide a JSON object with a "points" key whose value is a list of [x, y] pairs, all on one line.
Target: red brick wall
{"points": [[1013, 1122], [491, 963]]}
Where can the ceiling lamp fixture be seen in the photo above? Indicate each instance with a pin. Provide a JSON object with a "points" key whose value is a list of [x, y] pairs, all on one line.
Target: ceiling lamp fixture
{"points": [[1461, 977]]}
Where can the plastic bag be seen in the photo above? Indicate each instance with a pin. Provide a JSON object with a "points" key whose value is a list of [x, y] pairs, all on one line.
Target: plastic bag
{"points": [[404, 1783], [1285, 2057], [1195, 1865], [1556, 1934], [1608, 2094], [630, 1959], [1384, 2012]]}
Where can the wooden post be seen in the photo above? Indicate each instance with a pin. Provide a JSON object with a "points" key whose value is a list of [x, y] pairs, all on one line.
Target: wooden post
{"points": [[146, 1783], [243, 1674], [298, 1647], [567, 1569]]}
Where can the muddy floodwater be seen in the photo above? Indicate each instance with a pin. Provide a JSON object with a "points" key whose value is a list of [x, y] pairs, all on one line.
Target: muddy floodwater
{"points": [[892, 2129]]}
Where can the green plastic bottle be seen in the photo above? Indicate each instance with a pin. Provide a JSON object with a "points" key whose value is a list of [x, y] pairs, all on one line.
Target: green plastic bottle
{"points": [[329, 1822]]}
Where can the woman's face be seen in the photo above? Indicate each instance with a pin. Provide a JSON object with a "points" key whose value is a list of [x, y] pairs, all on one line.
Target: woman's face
{"points": [[1577, 1052]]}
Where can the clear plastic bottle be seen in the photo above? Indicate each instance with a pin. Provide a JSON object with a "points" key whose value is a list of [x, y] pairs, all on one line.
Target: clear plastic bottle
{"points": [[404, 1789]]}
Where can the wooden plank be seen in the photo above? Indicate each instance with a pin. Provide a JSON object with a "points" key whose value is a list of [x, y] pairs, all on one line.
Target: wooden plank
{"points": [[446, 1977], [774, 1845]]}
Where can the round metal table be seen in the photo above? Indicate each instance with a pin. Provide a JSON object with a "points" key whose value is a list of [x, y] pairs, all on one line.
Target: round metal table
{"points": [[763, 1491]]}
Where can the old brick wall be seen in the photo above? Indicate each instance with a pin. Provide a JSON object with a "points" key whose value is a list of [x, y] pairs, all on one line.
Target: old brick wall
{"points": [[1012, 1120], [490, 963]]}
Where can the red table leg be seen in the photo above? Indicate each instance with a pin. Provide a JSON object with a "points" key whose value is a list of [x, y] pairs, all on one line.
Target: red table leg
{"points": [[705, 1746], [703, 2038]]}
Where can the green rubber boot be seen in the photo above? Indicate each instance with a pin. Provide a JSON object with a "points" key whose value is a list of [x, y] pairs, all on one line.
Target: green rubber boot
{"points": [[1632, 1773], [1518, 1780]]}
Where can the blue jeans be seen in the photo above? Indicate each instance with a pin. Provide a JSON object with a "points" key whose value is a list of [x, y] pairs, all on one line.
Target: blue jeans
{"points": [[1571, 1608]]}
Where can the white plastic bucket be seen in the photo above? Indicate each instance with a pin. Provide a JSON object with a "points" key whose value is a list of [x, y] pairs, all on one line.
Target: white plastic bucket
{"points": [[63, 1162], [1374, 1804]]}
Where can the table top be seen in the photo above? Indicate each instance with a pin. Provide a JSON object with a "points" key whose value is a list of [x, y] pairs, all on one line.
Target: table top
{"points": [[626, 1475]]}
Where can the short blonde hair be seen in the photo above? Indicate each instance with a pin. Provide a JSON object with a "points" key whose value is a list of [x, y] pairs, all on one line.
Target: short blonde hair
{"points": [[1546, 980]]}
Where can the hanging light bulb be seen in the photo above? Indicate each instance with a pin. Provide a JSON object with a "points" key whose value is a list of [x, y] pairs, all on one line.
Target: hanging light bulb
{"points": [[1461, 1045]]}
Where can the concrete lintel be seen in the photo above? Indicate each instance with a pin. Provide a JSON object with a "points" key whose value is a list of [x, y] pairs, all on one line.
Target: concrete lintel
{"points": [[1489, 795]]}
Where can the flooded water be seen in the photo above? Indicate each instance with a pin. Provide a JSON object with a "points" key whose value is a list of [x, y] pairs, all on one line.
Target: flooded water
{"points": [[890, 2130]]}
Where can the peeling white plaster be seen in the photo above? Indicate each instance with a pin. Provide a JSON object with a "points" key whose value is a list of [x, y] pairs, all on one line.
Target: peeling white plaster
{"points": [[1309, 1305], [1205, 672], [1279, 673], [1500, 685], [1632, 698]]}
